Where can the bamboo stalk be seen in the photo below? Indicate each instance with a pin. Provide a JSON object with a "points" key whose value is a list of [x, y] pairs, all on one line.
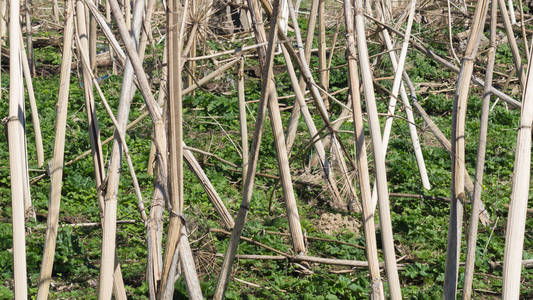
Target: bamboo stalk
{"points": [[482, 143], [361, 158], [115, 161], [411, 121], [29, 210], [121, 137], [512, 42], [377, 148], [266, 57], [29, 33], [516, 219], [92, 42], [322, 61], [15, 128], [33, 106], [295, 113], [313, 131], [153, 227], [176, 18], [209, 189], [243, 121], [56, 165], [523, 27], [306, 72], [458, 152], [397, 87], [3, 30]]}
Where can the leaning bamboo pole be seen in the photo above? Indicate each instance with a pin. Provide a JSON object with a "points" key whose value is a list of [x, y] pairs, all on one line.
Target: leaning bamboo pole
{"points": [[371, 249], [29, 210], [96, 146], [322, 61], [243, 121], [482, 144], [29, 34], [281, 150], [397, 87], [266, 58], [377, 149], [295, 113], [313, 131], [301, 60], [176, 18], [15, 129], [56, 165], [33, 106], [508, 24], [115, 161], [516, 219], [458, 151]]}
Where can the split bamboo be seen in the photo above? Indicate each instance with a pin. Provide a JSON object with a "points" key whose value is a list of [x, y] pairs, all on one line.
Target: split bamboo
{"points": [[176, 18]]}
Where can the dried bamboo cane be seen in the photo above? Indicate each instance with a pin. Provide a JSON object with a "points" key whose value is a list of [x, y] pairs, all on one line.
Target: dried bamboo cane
{"points": [[15, 128], [3, 30], [243, 121], [209, 189], [336, 146], [56, 165], [523, 27], [458, 152], [29, 211], [115, 161], [127, 12], [361, 157], [410, 117], [512, 42], [377, 148], [176, 18], [445, 143], [397, 87], [29, 33], [93, 36], [121, 136], [33, 107], [319, 146], [266, 61], [160, 190], [322, 61], [160, 186], [482, 143], [116, 276], [516, 220], [511, 12], [281, 150], [295, 113]]}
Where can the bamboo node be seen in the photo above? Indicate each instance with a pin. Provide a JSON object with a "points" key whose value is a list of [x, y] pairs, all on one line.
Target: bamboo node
{"points": [[6, 120]]}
